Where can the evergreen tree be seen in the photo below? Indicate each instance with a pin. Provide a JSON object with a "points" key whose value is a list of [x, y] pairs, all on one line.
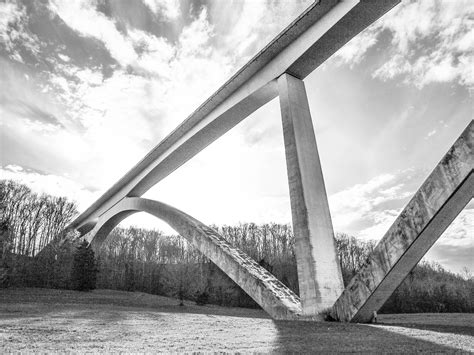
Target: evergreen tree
{"points": [[84, 269]]}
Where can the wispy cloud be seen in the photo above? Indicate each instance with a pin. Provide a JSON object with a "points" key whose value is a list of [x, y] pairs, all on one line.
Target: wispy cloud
{"points": [[455, 248], [376, 202], [355, 50], [460, 233], [83, 17], [431, 133], [168, 8], [13, 31], [431, 41], [9, 14]]}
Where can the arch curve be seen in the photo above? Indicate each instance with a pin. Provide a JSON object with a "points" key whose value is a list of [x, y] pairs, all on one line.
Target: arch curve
{"points": [[271, 294]]}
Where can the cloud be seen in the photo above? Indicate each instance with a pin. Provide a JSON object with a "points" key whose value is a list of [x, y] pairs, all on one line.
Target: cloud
{"points": [[431, 133], [13, 31], [168, 8], [31, 110], [145, 57], [83, 17], [431, 41], [34, 125], [377, 202], [455, 248], [460, 233], [355, 50], [9, 14], [64, 57]]}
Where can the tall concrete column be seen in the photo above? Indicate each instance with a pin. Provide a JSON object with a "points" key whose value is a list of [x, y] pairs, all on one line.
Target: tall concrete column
{"points": [[319, 274]]}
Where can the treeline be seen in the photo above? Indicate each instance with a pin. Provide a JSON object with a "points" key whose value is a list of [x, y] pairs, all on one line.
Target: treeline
{"points": [[136, 259], [146, 260], [431, 288], [33, 220]]}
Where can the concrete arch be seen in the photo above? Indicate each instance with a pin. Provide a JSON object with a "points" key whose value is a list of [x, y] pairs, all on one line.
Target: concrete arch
{"points": [[272, 295]]}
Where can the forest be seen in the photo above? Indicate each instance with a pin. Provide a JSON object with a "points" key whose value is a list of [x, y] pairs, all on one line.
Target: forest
{"points": [[36, 253]]}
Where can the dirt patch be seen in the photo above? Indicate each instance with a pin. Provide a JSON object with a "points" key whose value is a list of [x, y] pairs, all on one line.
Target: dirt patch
{"points": [[111, 321]]}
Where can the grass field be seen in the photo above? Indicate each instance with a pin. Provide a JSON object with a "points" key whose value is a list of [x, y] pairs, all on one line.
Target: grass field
{"points": [[33, 320]]}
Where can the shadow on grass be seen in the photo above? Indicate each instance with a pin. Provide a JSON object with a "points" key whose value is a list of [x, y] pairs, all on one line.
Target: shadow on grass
{"points": [[452, 323], [298, 337], [452, 329]]}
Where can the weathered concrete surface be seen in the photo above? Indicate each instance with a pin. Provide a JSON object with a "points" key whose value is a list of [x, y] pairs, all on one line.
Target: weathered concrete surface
{"points": [[299, 49], [432, 209], [319, 274], [273, 296]]}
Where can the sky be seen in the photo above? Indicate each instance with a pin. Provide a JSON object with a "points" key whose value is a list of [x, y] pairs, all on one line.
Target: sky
{"points": [[88, 87]]}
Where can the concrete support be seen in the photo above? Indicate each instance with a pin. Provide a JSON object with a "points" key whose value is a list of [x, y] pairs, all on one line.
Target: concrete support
{"points": [[431, 210], [319, 274], [272, 295]]}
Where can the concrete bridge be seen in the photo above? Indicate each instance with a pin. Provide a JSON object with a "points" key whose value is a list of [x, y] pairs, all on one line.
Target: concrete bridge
{"points": [[279, 70]]}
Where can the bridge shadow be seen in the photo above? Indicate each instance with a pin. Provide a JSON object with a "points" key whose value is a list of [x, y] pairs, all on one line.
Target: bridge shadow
{"points": [[451, 329], [440, 328], [304, 337]]}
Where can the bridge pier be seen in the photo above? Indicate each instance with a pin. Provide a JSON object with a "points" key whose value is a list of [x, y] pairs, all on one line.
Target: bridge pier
{"points": [[319, 274]]}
